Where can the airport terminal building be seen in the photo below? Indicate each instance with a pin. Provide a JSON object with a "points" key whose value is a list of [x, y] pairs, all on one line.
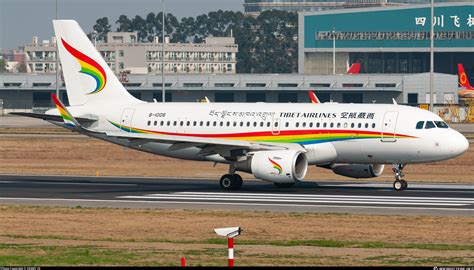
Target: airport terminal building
{"points": [[28, 92], [387, 39]]}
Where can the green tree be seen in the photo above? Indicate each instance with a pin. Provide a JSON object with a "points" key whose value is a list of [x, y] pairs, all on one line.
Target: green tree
{"points": [[3, 64], [267, 44], [124, 24], [102, 27]]}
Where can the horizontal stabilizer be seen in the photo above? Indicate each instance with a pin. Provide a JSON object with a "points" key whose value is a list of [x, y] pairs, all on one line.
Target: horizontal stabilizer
{"points": [[54, 118]]}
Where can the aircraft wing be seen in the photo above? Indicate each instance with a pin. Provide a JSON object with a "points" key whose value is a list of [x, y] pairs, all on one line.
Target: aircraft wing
{"points": [[54, 118], [209, 146]]}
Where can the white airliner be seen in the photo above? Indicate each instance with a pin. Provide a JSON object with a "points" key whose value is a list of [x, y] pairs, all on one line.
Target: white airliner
{"points": [[274, 142]]}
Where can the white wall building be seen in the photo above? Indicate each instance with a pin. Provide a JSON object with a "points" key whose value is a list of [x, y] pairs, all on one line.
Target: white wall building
{"points": [[122, 52]]}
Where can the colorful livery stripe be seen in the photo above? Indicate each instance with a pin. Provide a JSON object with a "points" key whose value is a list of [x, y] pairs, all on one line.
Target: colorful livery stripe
{"points": [[89, 67], [276, 166], [67, 117], [308, 136]]}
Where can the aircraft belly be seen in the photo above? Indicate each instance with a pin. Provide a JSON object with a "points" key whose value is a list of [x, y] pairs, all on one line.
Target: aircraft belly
{"points": [[374, 151], [163, 149]]}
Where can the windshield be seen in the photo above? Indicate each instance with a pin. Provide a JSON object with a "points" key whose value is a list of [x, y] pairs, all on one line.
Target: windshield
{"points": [[429, 125], [441, 124]]}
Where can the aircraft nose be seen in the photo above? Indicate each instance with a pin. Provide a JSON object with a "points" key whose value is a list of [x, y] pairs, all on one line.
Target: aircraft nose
{"points": [[458, 144]]}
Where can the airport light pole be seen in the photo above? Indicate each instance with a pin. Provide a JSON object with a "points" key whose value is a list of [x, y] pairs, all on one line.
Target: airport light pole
{"points": [[334, 51], [432, 56], [163, 52]]}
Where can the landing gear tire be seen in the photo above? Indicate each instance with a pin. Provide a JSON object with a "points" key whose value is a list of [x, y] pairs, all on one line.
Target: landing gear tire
{"points": [[398, 185], [283, 185], [231, 182]]}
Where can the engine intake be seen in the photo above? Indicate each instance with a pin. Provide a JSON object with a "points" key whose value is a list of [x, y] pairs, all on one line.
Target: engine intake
{"points": [[358, 170], [284, 166]]}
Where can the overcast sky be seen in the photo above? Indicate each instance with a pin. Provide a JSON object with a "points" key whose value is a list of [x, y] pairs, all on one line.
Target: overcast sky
{"points": [[20, 20]]}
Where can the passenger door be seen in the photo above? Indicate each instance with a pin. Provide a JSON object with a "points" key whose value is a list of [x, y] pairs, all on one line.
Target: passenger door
{"points": [[389, 127]]}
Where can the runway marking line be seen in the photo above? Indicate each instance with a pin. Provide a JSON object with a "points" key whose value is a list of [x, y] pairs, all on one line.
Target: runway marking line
{"points": [[342, 197], [286, 200], [242, 204], [310, 195]]}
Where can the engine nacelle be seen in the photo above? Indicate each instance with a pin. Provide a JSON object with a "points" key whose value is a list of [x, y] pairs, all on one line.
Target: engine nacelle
{"points": [[284, 166], [358, 170]]}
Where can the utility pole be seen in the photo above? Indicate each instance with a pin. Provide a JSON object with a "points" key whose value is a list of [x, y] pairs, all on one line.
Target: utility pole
{"points": [[334, 51], [57, 57], [432, 57], [163, 52]]}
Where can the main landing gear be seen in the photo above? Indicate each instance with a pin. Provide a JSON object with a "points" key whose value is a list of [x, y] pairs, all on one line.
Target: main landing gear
{"points": [[399, 183], [231, 182]]}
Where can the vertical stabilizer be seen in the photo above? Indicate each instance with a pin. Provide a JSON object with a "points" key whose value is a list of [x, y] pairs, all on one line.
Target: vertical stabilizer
{"points": [[88, 77], [313, 97], [463, 80], [354, 69]]}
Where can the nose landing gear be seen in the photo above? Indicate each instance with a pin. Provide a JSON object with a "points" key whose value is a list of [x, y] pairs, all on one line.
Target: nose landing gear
{"points": [[399, 183]]}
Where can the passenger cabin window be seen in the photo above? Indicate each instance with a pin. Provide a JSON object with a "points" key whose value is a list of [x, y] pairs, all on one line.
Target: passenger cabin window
{"points": [[149, 122], [373, 125], [441, 124], [429, 124], [420, 124]]}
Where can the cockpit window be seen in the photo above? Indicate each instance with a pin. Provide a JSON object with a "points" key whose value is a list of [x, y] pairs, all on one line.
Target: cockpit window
{"points": [[429, 124], [420, 124], [441, 124]]}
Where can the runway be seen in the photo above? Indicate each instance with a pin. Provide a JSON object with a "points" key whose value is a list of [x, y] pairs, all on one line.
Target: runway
{"points": [[325, 196]]}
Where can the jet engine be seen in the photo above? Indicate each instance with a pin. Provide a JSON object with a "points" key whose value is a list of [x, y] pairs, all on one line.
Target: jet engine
{"points": [[282, 166], [358, 170]]}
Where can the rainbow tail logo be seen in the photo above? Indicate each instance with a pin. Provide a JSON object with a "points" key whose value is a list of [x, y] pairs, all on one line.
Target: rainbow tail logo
{"points": [[276, 166], [65, 114]]}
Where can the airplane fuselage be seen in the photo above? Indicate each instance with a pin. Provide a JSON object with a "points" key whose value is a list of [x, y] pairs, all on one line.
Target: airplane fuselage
{"points": [[330, 132]]}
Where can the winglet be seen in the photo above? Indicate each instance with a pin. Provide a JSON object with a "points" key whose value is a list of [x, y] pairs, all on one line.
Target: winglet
{"points": [[313, 97], [68, 119], [394, 101]]}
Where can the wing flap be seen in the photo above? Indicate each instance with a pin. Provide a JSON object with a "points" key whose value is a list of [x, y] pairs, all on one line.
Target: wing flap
{"points": [[209, 146]]}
